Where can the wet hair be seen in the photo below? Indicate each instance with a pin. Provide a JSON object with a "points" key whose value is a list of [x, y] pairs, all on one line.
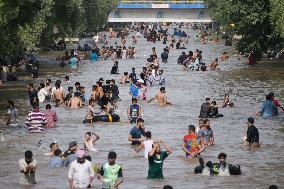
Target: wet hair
{"points": [[148, 134], [77, 83], [88, 133], [227, 94], [134, 100], [125, 73], [162, 89], [48, 106], [222, 155], [42, 85], [209, 164], [57, 152], [191, 128], [49, 80], [273, 187], [183, 53], [112, 155], [28, 154], [35, 105], [89, 158], [31, 85], [77, 94], [216, 59], [52, 144], [251, 120], [271, 94], [11, 102], [167, 187], [91, 101], [57, 85], [70, 89], [57, 81], [139, 120], [207, 99]]}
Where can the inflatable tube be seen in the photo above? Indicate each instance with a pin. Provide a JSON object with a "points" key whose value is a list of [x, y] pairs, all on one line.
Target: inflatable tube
{"points": [[103, 118]]}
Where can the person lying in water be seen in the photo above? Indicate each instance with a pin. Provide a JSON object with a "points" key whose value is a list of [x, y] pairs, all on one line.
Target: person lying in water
{"points": [[161, 97]]}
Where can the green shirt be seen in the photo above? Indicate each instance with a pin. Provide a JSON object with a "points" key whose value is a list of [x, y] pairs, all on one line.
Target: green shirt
{"points": [[156, 166]]}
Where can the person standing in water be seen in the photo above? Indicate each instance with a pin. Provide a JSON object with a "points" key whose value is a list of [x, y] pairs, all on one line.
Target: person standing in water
{"points": [[81, 173], [252, 138], [36, 120], [191, 144], [51, 117], [161, 97], [136, 133], [90, 139], [111, 173], [156, 159], [28, 166], [147, 145], [205, 109], [134, 111], [11, 114]]}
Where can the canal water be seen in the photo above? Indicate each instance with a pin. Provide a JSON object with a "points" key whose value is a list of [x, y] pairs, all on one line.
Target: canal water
{"points": [[187, 90]]}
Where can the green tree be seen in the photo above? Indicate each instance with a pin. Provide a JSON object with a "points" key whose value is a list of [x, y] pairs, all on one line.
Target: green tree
{"points": [[277, 15], [26, 24], [249, 19]]}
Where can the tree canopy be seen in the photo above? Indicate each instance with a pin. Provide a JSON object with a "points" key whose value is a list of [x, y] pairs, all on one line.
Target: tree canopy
{"points": [[259, 23], [25, 24]]}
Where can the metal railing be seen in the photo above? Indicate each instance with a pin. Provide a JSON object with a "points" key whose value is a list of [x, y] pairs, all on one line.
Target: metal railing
{"points": [[160, 1]]}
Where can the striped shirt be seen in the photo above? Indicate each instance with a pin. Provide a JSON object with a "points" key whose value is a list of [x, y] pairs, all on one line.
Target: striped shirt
{"points": [[36, 121]]}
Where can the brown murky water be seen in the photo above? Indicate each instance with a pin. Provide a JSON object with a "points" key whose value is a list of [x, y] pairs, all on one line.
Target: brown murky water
{"points": [[246, 85]]}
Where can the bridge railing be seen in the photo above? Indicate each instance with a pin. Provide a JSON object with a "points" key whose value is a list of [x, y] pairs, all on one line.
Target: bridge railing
{"points": [[160, 1]]}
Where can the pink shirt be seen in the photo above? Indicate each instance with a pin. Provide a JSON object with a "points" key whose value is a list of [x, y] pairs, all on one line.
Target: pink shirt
{"points": [[51, 118]]}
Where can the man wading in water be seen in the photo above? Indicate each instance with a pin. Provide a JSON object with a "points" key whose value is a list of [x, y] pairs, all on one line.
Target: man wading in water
{"points": [[161, 97]]}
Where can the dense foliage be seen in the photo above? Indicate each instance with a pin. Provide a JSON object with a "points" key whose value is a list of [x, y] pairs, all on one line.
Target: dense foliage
{"points": [[259, 23], [25, 24]]}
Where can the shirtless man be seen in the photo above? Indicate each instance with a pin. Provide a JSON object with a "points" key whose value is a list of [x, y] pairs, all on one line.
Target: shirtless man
{"points": [[58, 94], [214, 65], [161, 97], [75, 101]]}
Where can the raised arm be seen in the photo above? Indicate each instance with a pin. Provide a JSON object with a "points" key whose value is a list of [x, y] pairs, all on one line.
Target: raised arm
{"points": [[152, 152], [169, 150]]}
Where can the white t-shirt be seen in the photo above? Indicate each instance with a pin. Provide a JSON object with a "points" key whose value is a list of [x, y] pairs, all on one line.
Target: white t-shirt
{"points": [[41, 95], [23, 167], [148, 145], [81, 173]]}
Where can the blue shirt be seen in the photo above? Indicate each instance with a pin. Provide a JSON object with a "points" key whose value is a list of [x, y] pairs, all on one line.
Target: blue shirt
{"points": [[93, 57], [55, 161], [73, 62], [135, 133], [134, 90], [268, 109]]}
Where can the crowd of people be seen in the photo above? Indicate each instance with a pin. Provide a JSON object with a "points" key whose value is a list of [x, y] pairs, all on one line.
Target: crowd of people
{"points": [[102, 104]]}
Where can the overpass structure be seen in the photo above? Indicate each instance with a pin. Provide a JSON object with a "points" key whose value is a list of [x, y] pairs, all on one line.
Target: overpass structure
{"points": [[160, 11]]}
